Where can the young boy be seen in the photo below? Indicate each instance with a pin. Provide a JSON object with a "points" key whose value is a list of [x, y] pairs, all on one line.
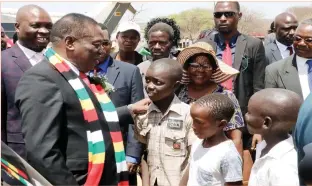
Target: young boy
{"points": [[214, 159], [272, 113], [166, 128]]}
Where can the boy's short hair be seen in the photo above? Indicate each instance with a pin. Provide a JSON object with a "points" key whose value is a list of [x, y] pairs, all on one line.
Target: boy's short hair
{"points": [[219, 106], [170, 65]]}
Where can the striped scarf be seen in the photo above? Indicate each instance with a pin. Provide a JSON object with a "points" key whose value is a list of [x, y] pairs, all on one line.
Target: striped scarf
{"points": [[96, 143], [15, 172]]}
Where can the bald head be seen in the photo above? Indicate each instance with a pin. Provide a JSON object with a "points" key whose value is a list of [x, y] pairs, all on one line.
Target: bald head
{"points": [[281, 105], [33, 25], [285, 25], [168, 65]]}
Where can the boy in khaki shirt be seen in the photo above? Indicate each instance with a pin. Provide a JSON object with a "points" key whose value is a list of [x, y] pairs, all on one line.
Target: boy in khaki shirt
{"points": [[166, 128]]}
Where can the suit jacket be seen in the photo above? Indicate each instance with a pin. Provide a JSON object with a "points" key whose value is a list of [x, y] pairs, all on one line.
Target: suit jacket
{"points": [[283, 74], [126, 79], [250, 61], [272, 53], [54, 128], [14, 63]]}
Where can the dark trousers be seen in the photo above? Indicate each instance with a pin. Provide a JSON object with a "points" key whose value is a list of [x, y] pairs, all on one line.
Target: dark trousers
{"points": [[133, 179]]}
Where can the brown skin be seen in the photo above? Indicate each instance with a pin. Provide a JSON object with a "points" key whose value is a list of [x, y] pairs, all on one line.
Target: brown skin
{"points": [[3, 41], [303, 48], [33, 25], [227, 27], [160, 87], [127, 43], [159, 44], [275, 123], [206, 127], [285, 27], [201, 85], [107, 44]]}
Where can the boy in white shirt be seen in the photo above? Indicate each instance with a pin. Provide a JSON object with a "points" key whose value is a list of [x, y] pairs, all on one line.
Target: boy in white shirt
{"points": [[214, 159], [272, 113]]}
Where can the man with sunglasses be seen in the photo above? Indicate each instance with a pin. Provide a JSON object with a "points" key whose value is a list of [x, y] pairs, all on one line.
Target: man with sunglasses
{"points": [[128, 86], [294, 72], [242, 52], [284, 29]]}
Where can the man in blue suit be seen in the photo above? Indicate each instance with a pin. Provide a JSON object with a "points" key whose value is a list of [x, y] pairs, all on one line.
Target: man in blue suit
{"points": [[127, 82]]}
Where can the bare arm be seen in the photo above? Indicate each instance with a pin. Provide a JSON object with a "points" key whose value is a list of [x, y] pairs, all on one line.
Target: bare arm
{"points": [[236, 136], [233, 183], [185, 177]]}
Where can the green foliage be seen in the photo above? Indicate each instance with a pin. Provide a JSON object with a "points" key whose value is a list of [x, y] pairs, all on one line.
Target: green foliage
{"points": [[193, 21]]}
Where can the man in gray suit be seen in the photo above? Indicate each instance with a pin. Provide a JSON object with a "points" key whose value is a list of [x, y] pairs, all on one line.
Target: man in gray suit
{"points": [[285, 26], [294, 72]]}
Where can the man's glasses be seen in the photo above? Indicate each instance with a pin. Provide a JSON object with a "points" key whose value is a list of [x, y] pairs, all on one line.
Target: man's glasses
{"points": [[226, 14], [306, 40], [197, 66]]}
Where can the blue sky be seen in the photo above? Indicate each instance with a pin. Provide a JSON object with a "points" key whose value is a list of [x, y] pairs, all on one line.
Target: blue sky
{"points": [[154, 9]]}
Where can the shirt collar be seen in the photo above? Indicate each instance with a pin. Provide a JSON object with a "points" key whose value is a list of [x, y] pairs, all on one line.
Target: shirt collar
{"points": [[28, 52], [281, 46], [280, 149], [73, 67], [103, 66], [174, 107], [301, 61], [221, 42]]}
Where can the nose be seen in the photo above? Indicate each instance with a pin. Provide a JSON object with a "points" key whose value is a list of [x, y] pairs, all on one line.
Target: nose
{"points": [[292, 32], [44, 30], [223, 18], [150, 86], [157, 46]]}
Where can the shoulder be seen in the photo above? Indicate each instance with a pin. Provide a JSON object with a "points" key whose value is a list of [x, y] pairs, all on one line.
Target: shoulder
{"points": [[7, 56], [278, 64], [44, 69], [252, 40], [124, 65]]}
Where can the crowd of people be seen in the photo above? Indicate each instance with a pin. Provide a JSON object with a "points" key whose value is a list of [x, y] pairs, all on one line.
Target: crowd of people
{"points": [[227, 110]]}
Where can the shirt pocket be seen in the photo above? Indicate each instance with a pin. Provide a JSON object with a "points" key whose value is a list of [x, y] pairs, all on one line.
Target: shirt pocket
{"points": [[175, 143]]}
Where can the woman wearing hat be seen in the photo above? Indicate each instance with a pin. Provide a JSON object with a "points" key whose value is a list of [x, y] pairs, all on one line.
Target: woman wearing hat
{"points": [[203, 74]]}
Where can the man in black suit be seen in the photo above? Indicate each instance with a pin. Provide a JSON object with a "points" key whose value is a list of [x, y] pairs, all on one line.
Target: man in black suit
{"points": [[56, 123], [33, 25], [294, 72], [127, 82], [285, 27]]}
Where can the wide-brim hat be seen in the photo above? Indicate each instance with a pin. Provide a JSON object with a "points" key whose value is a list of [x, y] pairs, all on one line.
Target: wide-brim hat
{"points": [[223, 71]]}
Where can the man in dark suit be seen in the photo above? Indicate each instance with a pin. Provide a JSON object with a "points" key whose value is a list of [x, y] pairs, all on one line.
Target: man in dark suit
{"points": [[71, 128], [243, 53], [294, 72], [127, 82], [285, 26], [14, 62]]}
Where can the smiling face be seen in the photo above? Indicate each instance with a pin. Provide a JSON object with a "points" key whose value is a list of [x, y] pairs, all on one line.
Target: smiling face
{"points": [[303, 41], [200, 69], [33, 29]]}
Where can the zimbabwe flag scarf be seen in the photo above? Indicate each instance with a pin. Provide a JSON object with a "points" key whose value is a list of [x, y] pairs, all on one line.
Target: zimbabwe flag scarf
{"points": [[96, 143]]}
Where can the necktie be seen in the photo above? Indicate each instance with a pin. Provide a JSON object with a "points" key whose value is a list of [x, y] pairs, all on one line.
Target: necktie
{"points": [[309, 62], [227, 58], [290, 50]]}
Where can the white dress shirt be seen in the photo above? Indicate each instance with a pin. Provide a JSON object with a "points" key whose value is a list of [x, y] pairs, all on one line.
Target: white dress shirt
{"points": [[278, 167], [32, 56], [283, 49], [303, 75]]}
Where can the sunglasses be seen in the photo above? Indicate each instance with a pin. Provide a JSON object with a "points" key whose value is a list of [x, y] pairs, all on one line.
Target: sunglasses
{"points": [[226, 14]]}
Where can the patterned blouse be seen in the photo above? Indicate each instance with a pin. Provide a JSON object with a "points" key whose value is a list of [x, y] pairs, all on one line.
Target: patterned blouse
{"points": [[237, 120]]}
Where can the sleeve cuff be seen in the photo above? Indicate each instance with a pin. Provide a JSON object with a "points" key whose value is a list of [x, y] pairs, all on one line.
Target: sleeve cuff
{"points": [[131, 159]]}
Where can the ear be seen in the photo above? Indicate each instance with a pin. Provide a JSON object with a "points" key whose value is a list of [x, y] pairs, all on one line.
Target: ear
{"points": [[69, 42], [267, 123], [17, 27], [222, 123], [240, 14]]}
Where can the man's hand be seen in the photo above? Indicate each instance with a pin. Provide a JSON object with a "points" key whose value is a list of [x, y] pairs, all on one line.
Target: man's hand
{"points": [[132, 168], [256, 138], [140, 107]]}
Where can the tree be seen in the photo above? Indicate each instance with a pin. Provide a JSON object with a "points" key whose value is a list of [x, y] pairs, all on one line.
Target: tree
{"points": [[193, 21], [252, 22], [301, 13]]}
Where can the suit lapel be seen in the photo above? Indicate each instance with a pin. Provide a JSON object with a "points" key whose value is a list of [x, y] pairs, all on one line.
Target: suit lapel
{"points": [[112, 73], [275, 52], [239, 51], [20, 58], [290, 76]]}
